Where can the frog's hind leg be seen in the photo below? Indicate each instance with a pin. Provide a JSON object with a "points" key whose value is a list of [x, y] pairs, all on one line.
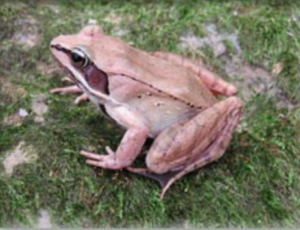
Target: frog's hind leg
{"points": [[186, 147], [216, 84]]}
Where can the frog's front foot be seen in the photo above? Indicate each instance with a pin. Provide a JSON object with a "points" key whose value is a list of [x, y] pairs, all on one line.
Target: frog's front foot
{"points": [[71, 89], [103, 161]]}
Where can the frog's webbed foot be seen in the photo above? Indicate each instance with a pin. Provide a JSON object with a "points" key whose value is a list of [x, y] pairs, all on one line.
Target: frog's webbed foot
{"points": [[162, 179], [71, 89]]}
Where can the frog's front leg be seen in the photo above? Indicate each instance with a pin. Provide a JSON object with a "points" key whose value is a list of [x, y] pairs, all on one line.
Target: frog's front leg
{"points": [[130, 146], [185, 147], [71, 89]]}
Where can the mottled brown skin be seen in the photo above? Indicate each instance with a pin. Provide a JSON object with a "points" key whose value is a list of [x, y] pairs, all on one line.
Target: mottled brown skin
{"points": [[159, 95]]}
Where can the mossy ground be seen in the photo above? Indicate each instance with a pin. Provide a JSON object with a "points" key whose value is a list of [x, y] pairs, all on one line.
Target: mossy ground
{"points": [[255, 184]]}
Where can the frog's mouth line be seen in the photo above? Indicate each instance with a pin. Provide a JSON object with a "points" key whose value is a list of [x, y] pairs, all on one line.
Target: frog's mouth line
{"points": [[64, 68], [60, 48]]}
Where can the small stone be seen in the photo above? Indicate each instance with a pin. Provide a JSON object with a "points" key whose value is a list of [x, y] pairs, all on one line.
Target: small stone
{"points": [[23, 113]]}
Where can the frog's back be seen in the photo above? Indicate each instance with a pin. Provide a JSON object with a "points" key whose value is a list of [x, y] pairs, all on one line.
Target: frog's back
{"points": [[155, 72]]}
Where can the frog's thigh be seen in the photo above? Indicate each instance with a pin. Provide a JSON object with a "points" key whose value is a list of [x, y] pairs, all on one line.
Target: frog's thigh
{"points": [[204, 138]]}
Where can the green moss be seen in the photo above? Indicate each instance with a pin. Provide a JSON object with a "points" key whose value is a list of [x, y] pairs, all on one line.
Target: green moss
{"points": [[256, 182]]}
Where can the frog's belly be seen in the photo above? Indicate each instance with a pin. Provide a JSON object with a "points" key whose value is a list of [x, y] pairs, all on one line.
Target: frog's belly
{"points": [[158, 108], [158, 124], [161, 113]]}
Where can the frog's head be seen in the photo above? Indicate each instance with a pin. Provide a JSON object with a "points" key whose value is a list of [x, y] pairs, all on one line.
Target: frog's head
{"points": [[76, 57]]}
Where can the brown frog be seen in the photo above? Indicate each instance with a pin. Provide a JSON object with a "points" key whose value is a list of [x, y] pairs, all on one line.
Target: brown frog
{"points": [[160, 95]]}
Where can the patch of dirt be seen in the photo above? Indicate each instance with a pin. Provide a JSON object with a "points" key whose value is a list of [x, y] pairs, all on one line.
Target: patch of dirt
{"points": [[113, 18], [16, 119], [119, 28], [39, 107], [26, 32], [44, 220], [254, 80], [214, 40], [21, 154], [11, 90], [250, 80], [48, 70], [48, 5], [119, 32]]}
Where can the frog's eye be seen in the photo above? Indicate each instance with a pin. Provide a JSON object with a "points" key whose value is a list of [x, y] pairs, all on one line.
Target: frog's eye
{"points": [[79, 58]]}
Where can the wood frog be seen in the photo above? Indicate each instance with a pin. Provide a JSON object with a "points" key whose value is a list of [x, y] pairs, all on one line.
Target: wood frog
{"points": [[158, 95]]}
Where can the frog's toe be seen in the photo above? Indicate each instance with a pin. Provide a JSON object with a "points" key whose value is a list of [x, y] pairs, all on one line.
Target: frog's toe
{"points": [[110, 151], [67, 79], [102, 161], [82, 97], [95, 163], [92, 156], [106, 162], [68, 89]]}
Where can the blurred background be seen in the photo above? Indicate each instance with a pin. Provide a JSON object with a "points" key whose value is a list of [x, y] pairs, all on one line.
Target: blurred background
{"points": [[43, 180]]}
